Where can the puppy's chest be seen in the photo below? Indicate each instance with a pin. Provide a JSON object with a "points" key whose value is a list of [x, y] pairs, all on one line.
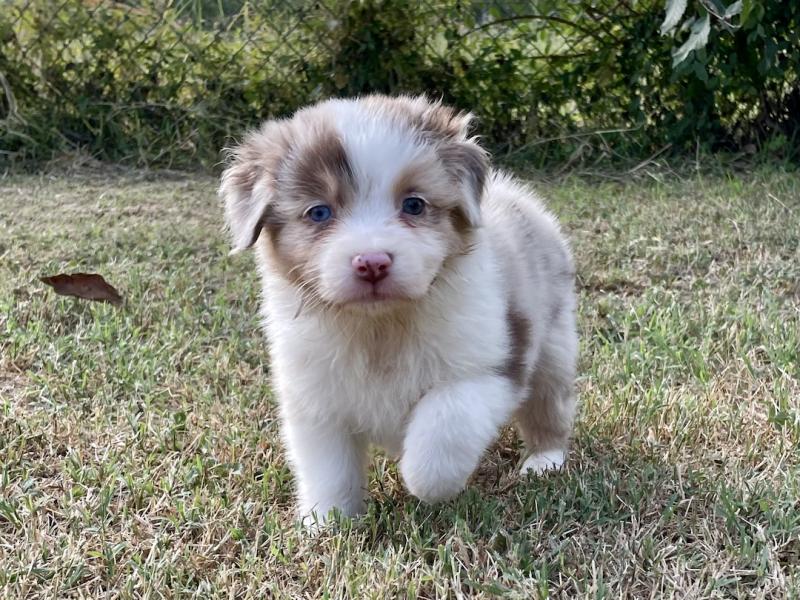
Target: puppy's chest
{"points": [[371, 382], [374, 385]]}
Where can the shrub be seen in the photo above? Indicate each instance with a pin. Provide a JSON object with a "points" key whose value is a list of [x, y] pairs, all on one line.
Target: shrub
{"points": [[169, 83]]}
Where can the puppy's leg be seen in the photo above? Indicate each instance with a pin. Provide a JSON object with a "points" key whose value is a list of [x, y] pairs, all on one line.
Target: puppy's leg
{"points": [[545, 418], [329, 467], [449, 430]]}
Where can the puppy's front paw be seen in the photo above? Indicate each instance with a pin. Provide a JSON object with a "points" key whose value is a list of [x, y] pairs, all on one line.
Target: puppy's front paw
{"points": [[430, 479], [449, 430]]}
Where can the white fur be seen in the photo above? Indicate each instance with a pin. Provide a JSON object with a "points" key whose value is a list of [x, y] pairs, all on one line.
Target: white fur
{"points": [[423, 378]]}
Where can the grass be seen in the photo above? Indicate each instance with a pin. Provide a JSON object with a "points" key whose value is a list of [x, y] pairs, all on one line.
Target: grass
{"points": [[139, 447]]}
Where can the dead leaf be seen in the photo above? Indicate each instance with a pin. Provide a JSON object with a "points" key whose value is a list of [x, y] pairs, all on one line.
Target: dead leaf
{"points": [[89, 286]]}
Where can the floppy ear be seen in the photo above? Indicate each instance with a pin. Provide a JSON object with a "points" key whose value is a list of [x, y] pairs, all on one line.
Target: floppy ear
{"points": [[247, 185], [463, 157], [468, 165]]}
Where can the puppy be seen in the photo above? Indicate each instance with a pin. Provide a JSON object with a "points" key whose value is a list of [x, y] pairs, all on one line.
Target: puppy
{"points": [[413, 298]]}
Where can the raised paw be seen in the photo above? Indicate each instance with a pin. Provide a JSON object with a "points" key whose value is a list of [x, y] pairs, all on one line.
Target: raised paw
{"points": [[430, 480]]}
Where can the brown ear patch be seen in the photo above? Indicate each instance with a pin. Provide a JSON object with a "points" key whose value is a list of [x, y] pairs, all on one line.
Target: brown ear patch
{"points": [[466, 160], [247, 166], [259, 154], [243, 176], [258, 157]]}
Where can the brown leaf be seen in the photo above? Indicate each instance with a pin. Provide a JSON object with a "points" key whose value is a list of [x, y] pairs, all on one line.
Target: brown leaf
{"points": [[89, 286]]}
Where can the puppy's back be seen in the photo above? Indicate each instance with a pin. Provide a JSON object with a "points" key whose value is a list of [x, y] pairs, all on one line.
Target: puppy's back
{"points": [[534, 256]]}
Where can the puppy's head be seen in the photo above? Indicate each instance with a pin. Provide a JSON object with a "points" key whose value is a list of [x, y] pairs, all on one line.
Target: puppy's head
{"points": [[358, 203]]}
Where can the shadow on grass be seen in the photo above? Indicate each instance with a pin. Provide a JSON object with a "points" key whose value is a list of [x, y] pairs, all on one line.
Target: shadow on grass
{"points": [[600, 486]]}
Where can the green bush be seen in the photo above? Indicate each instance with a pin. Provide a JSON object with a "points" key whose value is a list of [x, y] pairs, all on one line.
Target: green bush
{"points": [[169, 83]]}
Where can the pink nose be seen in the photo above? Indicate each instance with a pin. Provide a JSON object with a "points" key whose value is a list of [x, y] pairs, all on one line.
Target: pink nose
{"points": [[373, 266]]}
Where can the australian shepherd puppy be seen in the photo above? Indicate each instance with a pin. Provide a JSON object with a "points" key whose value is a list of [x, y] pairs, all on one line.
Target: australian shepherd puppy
{"points": [[413, 297]]}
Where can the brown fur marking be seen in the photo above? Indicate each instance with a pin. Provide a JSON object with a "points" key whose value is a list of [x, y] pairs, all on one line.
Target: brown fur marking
{"points": [[322, 171], [519, 328], [545, 418]]}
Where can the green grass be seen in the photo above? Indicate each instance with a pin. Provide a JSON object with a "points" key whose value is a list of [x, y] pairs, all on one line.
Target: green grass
{"points": [[139, 447]]}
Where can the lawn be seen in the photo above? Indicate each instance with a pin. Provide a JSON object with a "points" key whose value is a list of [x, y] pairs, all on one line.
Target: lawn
{"points": [[139, 445]]}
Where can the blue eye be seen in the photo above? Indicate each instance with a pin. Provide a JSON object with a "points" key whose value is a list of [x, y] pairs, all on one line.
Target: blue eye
{"points": [[413, 205], [319, 213]]}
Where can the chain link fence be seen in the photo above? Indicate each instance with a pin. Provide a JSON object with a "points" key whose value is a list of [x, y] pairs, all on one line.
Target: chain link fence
{"points": [[169, 82]]}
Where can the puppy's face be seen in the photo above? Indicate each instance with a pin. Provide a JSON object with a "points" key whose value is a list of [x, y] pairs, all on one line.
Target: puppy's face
{"points": [[358, 203]]}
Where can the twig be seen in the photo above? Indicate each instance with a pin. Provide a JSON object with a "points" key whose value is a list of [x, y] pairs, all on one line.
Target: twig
{"points": [[647, 161], [12, 102], [572, 136]]}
